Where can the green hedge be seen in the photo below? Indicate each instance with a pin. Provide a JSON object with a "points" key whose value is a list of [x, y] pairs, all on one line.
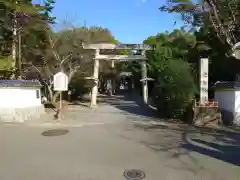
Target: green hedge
{"points": [[78, 85], [175, 88]]}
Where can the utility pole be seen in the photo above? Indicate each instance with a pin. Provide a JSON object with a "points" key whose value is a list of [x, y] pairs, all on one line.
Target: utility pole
{"points": [[14, 43], [19, 54]]}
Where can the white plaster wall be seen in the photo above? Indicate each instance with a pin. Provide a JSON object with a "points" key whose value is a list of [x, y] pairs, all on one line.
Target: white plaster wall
{"points": [[226, 100], [237, 101], [19, 98]]}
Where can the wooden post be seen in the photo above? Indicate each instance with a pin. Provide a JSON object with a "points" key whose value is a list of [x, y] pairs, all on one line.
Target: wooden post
{"points": [[14, 44], [60, 83], [19, 54], [95, 76], [60, 103], [112, 64], [60, 107]]}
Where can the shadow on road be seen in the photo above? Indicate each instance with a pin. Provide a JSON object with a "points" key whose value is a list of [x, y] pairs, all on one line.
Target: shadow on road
{"points": [[130, 103], [221, 144]]}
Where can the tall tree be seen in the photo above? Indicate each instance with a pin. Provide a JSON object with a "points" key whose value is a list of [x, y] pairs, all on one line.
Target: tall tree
{"points": [[219, 17], [168, 64], [64, 52], [24, 27], [18, 17]]}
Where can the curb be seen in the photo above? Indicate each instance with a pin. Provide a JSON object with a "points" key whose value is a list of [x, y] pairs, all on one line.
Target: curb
{"points": [[52, 124]]}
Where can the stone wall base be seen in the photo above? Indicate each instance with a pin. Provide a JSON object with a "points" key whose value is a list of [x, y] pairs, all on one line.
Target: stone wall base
{"points": [[21, 114]]}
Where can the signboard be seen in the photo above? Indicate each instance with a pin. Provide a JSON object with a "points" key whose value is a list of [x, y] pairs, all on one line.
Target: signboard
{"points": [[60, 82], [203, 80]]}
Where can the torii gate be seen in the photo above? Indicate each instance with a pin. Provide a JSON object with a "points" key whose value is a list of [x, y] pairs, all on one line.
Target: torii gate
{"points": [[97, 47]]}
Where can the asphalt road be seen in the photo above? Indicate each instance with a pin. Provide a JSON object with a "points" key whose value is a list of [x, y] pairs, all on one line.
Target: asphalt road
{"points": [[127, 139]]}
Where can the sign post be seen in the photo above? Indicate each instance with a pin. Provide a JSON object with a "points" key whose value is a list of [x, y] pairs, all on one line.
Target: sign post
{"points": [[60, 104], [203, 80], [60, 83]]}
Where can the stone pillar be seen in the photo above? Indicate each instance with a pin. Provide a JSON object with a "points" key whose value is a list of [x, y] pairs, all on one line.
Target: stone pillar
{"points": [[112, 64], [203, 80], [95, 76], [112, 79], [144, 82]]}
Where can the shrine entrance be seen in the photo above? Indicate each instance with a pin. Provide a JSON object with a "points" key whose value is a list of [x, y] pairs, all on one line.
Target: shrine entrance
{"points": [[114, 54], [126, 82]]}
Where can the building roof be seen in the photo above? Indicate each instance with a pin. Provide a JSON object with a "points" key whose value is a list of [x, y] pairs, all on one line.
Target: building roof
{"points": [[116, 46], [227, 85], [99, 46], [20, 83]]}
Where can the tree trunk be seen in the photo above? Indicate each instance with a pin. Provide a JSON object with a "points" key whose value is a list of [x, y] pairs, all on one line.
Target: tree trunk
{"points": [[55, 96], [50, 95]]}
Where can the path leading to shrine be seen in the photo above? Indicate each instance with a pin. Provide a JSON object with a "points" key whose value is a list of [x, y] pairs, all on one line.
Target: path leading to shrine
{"points": [[118, 135]]}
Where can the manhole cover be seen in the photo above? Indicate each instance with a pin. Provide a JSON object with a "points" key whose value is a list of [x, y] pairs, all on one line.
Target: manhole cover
{"points": [[134, 174], [55, 132]]}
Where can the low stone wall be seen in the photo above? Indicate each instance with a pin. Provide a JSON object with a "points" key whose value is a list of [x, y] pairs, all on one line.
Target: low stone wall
{"points": [[21, 114]]}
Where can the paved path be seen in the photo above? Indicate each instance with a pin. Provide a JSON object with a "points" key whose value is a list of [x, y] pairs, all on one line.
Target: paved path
{"points": [[125, 138]]}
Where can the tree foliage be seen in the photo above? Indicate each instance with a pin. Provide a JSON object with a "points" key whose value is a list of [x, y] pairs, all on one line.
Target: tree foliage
{"points": [[176, 45], [22, 31], [169, 64], [211, 29], [220, 18], [216, 26], [64, 52], [175, 88]]}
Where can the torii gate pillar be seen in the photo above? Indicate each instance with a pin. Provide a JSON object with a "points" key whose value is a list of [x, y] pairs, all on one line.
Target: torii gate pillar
{"points": [[95, 76], [144, 82]]}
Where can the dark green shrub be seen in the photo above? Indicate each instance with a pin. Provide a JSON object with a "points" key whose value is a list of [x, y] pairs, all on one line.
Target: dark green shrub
{"points": [[175, 88], [78, 86]]}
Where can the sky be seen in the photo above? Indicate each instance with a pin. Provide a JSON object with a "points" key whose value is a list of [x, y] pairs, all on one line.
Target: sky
{"points": [[130, 21]]}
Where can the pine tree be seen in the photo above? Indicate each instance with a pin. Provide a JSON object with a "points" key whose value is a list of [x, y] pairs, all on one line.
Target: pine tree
{"points": [[48, 7], [18, 19]]}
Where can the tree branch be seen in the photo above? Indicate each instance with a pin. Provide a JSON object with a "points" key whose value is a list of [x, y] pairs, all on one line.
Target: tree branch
{"points": [[56, 55], [36, 69], [215, 28], [233, 19], [65, 59], [231, 11], [71, 74], [49, 85], [219, 27]]}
